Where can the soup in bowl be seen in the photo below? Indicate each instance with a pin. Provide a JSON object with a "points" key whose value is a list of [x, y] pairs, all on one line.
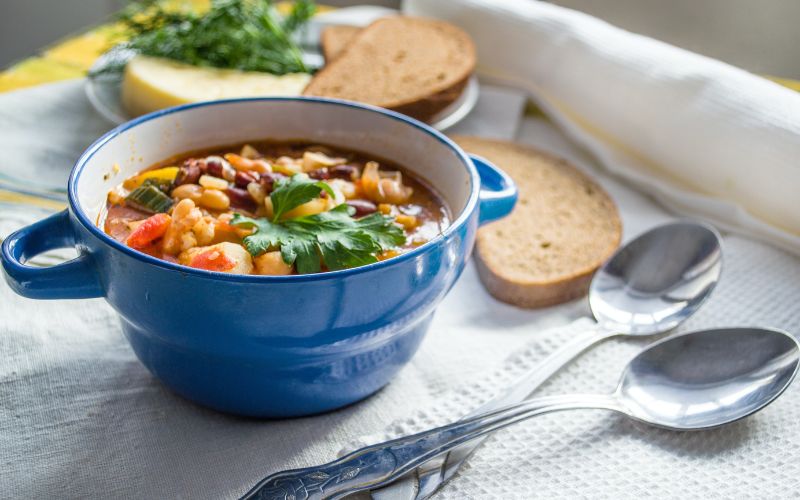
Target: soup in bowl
{"points": [[343, 294], [274, 209]]}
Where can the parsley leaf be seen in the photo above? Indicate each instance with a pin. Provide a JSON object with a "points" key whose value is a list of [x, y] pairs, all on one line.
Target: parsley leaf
{"points": [[335, 238], [292, 193]]}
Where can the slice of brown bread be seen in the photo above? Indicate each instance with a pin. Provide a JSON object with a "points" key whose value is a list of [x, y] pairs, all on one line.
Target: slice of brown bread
{"points": [[334, 39], [412, 65], [563, 228]]}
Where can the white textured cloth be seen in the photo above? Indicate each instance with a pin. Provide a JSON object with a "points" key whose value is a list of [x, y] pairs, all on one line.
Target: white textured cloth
{"points": [[81, 417], [700, 135]]}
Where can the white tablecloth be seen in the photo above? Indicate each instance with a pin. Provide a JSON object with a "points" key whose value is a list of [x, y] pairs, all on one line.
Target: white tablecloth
{"points": [[81, 418]]}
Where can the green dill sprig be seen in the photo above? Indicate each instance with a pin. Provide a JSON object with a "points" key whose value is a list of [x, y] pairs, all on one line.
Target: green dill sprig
{"points": [[247, 35]]}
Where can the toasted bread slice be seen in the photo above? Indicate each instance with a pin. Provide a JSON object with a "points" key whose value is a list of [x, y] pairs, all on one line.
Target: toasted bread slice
{"points": [[411, 65], [563, 228], [334, 39]]}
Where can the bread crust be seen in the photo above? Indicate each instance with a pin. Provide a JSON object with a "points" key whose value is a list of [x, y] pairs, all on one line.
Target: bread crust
{"points": [[533, 295], [422, 107], [425, 109], [506, 283]]}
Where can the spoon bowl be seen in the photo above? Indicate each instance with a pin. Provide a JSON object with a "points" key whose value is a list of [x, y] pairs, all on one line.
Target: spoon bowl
{"points": [[657, 280], [709, 378]]}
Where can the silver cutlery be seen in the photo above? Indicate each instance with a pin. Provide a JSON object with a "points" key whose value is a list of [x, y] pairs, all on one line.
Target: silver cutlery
{"points": [[693, 381], [648, 287]]}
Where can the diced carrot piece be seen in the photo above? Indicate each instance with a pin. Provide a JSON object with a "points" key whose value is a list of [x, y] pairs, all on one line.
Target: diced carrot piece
{"points": [[242, 163], [212, 260], [148, 231]]}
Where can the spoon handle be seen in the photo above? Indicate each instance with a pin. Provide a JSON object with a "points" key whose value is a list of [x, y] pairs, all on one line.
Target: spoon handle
{"points": [[438, 470], [379, 464]]}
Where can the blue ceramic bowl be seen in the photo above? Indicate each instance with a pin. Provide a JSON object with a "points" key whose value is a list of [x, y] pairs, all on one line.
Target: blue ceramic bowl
{"points": [[259, 345]]}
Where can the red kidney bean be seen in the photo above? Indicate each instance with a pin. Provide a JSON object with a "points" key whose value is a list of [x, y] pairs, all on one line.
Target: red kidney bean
{"points": [[346, 172], [215, 168], [189, 173], [243, 178], [240, 198], [268, 180], [363, 207], [320, 174]]}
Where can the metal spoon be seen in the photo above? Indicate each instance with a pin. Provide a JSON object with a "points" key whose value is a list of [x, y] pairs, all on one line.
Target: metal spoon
{"points": [[649, 286], [687, 382]]}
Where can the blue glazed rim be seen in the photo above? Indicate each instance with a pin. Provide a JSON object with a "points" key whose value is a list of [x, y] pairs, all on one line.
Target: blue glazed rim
{"points": [[87, 155]]}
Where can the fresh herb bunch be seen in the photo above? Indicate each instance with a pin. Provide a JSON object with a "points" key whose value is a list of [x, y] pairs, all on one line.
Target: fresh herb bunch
{"points": [[334, 237], [248, 35]]}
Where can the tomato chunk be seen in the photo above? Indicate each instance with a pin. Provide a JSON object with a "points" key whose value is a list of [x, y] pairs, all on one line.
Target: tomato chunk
{"points": [[223, 257], [148, 231], [213, 260]]}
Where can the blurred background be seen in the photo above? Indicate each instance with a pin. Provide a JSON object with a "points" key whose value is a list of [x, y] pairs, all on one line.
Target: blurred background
{"points": [[760, 36]]}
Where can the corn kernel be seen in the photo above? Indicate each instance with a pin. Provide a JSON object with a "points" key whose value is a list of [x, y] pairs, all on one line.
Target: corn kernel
{"points": [[388, 254], [407, 221]]}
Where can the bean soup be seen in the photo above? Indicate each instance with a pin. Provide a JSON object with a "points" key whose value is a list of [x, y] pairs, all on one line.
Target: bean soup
{"points": [[274, 209]]}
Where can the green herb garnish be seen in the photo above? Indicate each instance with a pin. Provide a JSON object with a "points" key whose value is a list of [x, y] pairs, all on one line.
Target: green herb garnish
{"points": [[292, 193], [150, 198], [335, 238], [248, 35]]}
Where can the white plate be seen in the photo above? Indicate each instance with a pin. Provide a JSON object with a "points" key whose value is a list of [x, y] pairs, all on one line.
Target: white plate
{"points": [[104, 92]]}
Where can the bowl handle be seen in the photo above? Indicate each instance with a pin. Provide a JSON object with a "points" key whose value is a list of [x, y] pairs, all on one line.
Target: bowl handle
{"points": [[75, 279], [498, 192]]}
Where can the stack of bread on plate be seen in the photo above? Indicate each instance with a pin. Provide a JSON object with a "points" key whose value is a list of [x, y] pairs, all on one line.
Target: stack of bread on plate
{"points": [[412, 65]]}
